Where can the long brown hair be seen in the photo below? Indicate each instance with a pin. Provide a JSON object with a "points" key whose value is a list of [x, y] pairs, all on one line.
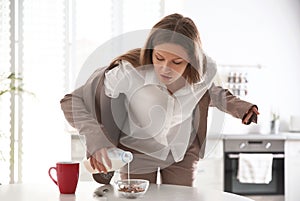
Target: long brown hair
{"points": [[182, 31], [132, 56], [175, 29]]}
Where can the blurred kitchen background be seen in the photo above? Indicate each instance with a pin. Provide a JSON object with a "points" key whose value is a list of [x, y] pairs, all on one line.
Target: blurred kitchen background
{"points": [[256, 44]]}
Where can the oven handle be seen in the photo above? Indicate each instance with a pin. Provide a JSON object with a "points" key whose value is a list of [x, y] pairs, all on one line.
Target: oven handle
{"points": [[232, 156]]}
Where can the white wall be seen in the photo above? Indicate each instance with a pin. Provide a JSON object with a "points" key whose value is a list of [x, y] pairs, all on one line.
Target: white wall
{"points": [[263, 32]]}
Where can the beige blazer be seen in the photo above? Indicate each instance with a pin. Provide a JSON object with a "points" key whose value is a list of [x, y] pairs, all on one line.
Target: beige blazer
{"points": [[88, 110]]}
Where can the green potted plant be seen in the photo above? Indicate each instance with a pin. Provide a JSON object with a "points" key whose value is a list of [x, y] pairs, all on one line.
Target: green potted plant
{"points": [[9, 83]]}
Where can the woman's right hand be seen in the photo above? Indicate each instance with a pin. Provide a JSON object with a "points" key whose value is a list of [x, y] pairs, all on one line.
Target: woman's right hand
{"points": [[98, 159]]}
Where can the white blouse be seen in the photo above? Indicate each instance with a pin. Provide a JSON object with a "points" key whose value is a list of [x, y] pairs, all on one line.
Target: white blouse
{"points": [[158, 123]]}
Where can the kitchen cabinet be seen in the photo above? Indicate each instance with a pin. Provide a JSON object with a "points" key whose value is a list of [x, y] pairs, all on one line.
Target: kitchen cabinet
{"points": [[210, 169], [292, 166]]}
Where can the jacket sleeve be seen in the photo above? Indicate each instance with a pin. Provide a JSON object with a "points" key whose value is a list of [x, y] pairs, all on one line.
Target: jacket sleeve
{"points": [[83, 110], [226, 102]]}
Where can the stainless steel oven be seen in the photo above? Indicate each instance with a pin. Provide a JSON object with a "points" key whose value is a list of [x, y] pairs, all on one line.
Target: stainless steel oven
{"points": [[232, 149]]}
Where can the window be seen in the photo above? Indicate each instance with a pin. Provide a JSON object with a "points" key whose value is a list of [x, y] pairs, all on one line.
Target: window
{"points": [[47, 42], [35, 42], [6, 41], [45, 61]]}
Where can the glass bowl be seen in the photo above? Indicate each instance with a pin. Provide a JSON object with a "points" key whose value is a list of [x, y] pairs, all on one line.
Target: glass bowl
{"points": [[131, 188]]}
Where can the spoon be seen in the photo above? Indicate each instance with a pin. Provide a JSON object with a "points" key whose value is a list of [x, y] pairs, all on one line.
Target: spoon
{"points": [[101, 191]]}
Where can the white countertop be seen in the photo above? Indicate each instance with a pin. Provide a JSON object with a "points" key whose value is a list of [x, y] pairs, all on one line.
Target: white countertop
{"points": [[254, 136], [291, 135], [257, 136], [85, 191]]}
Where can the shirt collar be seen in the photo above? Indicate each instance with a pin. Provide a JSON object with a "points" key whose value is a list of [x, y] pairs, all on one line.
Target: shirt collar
{"points": [[151, 78]]}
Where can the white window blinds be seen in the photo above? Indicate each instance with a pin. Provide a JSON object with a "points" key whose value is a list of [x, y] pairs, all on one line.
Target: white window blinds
{"points": [[5, 99], [45, 48], [46, 42], [34, 43]]}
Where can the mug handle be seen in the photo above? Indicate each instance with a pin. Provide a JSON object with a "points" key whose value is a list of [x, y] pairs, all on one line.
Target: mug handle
{"points": [[49, 172]]}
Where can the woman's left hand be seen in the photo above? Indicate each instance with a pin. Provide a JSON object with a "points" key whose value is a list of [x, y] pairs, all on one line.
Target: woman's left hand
{"points": [[249, 116]]}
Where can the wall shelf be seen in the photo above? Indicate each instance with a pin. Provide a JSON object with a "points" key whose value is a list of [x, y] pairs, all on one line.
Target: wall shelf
{"points": [[258, 66]]}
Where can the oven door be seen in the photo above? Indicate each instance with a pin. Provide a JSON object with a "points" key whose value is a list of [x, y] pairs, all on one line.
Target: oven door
{"points": [[232, 184]]}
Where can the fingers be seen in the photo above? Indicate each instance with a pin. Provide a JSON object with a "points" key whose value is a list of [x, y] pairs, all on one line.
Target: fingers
{"points": [[99, 166], [247, 118], [92, 162], [97, 162], [255, 110]]}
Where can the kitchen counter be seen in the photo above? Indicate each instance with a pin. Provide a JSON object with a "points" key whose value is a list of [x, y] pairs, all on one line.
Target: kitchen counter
{"points": [[292, 135], [257, 136], [85, 191]]}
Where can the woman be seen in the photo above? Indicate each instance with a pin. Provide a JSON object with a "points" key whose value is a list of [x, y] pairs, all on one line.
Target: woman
{"points": [[153, 102]]}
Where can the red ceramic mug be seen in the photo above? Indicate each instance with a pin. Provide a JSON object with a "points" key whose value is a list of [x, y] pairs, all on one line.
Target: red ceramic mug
{"points": [[67, 174]]}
